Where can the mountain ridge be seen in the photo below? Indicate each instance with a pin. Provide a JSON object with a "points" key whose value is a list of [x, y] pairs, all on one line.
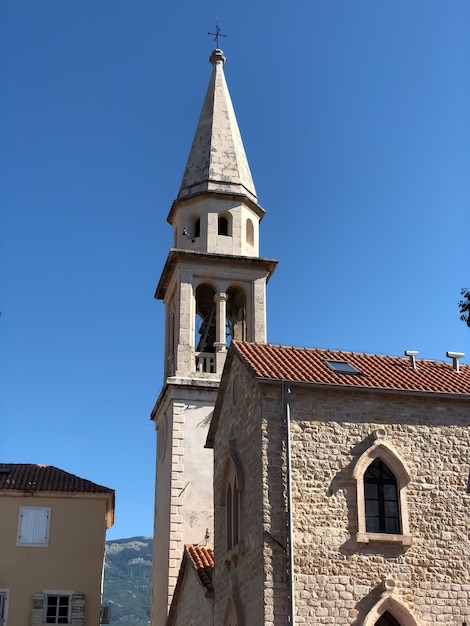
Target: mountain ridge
{"points": [[127, 580]]}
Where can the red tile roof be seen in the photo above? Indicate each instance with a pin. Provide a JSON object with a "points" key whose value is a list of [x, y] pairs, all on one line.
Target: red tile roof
{"points": [[202, 559], [29, 477], [377, 371]]}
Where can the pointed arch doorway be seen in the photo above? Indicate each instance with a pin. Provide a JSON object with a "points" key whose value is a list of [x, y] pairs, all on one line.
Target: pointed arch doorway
{"points": [[387, 620]]}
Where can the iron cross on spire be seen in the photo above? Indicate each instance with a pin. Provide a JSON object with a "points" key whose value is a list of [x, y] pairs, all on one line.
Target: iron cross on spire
{"points": [[217, 34]]}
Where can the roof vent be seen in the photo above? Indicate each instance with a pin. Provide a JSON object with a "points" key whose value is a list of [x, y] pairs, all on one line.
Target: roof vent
{"points": [[412, 354], [455, 356]]}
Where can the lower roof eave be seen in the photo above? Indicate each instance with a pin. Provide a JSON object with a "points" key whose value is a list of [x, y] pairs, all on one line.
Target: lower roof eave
{"points": [[230, 193], [175, 255], [386, 390], [202, 384]]}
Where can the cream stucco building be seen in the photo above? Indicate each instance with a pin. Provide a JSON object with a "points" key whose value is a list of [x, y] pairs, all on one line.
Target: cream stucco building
{"points": [[52, 542], [332, 485]]}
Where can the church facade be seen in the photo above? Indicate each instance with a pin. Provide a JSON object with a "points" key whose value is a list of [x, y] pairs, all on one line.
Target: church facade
{"points": [[340, 489], [333, 486]]}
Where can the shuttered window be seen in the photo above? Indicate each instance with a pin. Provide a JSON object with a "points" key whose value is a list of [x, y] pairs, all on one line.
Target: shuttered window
{"points": [[3, 606], [33, 526]]}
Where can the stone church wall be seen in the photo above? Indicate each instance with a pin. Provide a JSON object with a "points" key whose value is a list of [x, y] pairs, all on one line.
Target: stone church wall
{"points": [[422, 576], [194, 609], [239, 575], [339, 581]]}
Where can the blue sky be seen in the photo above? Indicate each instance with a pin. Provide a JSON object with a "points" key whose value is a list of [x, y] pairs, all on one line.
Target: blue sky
{"points": [[355, 119]]}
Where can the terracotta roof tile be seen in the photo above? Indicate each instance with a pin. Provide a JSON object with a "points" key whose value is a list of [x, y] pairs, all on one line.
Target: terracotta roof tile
{"points": [[202, 559], [30, 477], [376, 371]]}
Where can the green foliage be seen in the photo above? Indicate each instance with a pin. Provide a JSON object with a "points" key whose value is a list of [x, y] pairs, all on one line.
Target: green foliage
{"points": [[127, 580], [464, 306]]}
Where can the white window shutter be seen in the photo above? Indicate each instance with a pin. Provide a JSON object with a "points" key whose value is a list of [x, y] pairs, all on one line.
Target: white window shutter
{"points": [[33, 528]]}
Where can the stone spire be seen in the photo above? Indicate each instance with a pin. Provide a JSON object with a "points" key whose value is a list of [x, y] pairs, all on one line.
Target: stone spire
{"points": [[217, 161]]}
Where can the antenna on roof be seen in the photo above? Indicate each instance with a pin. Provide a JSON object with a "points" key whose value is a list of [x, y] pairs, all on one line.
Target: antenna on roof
{"points": [[217, 34], [455, 356], [412, 354]]}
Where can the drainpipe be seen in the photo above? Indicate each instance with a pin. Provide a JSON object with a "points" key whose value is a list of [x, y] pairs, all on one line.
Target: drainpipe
{"points": [[290, 529]]}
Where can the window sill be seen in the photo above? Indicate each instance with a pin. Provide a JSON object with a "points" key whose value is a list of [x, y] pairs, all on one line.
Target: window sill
{"points": [[366, 538]]}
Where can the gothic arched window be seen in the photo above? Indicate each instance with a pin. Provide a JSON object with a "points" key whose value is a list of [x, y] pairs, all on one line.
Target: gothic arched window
{"points": [[381, 499], [231, 498], [382, 508]]}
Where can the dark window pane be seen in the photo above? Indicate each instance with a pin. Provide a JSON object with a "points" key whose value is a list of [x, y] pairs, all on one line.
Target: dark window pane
{"points": [[372, 525], [372, 508], [370, 490], [390, 492], [381, 499], [391, 525], [390, 509]]}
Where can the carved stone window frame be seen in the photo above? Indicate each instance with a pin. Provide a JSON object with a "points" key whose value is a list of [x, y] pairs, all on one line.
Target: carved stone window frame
{"points": [[386, 453]]}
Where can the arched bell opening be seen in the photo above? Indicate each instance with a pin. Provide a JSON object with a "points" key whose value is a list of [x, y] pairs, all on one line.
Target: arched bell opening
{"points": [[205, 319], [236, 314], [205, 328]]}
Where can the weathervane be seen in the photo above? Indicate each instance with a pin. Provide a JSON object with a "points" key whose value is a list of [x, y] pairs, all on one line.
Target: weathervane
{"points": [[217, 34]]}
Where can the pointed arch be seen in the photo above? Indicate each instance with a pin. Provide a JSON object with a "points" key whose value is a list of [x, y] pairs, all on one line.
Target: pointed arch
{"points": [[230, 617], [388, 455], [231, 497], [391, 605], [399, 474], [234, 613], [387, 619]]}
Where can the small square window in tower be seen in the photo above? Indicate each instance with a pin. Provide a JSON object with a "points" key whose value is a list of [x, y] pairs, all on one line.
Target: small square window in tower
{"points": [[223, 226]]}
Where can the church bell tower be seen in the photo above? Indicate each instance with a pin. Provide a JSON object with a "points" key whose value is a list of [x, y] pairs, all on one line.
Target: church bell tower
{"points": [[213, 286]]}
